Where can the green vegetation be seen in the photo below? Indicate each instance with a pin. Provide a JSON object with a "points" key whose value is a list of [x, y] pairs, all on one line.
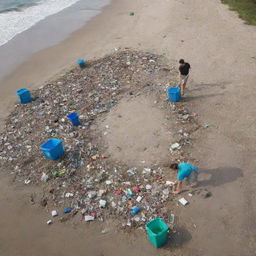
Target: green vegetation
{"points": [[245, 8]]}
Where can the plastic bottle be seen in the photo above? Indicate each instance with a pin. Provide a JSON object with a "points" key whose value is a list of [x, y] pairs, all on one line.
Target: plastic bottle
{"points": [[135, 210]]}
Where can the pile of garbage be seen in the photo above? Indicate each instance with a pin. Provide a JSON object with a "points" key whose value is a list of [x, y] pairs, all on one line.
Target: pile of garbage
{"points": [[85, 179]]}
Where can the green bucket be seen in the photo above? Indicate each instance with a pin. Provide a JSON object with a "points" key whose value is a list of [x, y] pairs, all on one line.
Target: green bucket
{"points": [[157, 232]]}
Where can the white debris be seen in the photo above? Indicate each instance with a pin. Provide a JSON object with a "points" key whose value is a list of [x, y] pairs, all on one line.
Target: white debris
{"points": [[172, 218], [102, 203], [44, 177], [101, 192], [148, 187], [139, 198], [27, 181], [175, 146], [92, 194], [54, 213], [169, 183], [166, 191], [183, 201], [146, 171], [128, 183], [108, 182], [88, 218], [132, 171], [185, 117], [137, 219], [49, 222], [67, 195]]}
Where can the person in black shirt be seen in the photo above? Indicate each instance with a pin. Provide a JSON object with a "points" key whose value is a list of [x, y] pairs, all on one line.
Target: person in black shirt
{"points": [[184, 73]]}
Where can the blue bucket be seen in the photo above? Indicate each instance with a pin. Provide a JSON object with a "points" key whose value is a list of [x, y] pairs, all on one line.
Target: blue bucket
{"points": [[81, 63], [73, 117], [174, 94], [52, 149], [24, 96]]}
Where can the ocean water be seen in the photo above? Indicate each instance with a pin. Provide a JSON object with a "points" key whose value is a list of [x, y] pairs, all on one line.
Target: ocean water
{"points": [[17, 16], [29, 26]]}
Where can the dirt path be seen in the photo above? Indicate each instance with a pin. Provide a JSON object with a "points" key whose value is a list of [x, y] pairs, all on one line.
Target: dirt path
{"points": [[222, 54]]}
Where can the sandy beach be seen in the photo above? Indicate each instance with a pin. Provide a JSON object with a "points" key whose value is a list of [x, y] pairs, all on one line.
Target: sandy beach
{"points": [[222, 53]]}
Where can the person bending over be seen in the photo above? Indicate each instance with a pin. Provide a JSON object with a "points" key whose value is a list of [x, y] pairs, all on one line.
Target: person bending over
{"points": [[185, 170], [184, 73]]}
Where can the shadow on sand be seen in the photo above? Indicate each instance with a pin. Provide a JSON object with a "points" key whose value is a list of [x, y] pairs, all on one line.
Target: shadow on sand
{"points": [[177, 239], [219, 176], [192, 98]]}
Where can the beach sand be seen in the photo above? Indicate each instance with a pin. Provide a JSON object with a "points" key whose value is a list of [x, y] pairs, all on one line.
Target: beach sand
{"points": [[222, 52]]}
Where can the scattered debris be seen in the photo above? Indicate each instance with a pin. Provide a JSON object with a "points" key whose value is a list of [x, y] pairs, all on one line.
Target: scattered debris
{"points": [[88, 218], [44, 177], [171, 218], [135, 210], [85, 179], [67, 210], [175, 146]]}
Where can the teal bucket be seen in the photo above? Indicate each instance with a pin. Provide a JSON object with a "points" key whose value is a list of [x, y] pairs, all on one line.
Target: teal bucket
{"points": [[157, 231]]}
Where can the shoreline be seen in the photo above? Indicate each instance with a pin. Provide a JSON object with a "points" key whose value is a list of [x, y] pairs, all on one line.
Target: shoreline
{"points": [[32, 69], [50, 31]]}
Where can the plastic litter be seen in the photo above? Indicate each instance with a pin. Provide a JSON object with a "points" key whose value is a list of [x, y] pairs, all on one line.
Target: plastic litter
{"points": [[88, 218], [169, 183], [148, 187], [67, 195], [175, 146], [67, 210], [135, 210], [102, 203], [49, 222], [183, 201], [54, 213], [81, 173], [44, 177], [139, 198]]}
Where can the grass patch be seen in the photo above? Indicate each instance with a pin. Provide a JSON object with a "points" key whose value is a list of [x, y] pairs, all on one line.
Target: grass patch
{"points": [[245, 8]]}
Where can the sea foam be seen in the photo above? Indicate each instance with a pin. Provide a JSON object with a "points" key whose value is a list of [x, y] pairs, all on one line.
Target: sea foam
{"points": [[13, 23]]}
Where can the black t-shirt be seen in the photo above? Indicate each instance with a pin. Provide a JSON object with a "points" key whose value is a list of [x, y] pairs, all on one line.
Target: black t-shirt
{"points": [[184, 69]]}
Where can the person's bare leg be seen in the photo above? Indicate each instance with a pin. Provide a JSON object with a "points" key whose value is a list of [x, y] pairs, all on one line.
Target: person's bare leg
{"points": [[185, 84], [178, 188], [182, 87]]}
